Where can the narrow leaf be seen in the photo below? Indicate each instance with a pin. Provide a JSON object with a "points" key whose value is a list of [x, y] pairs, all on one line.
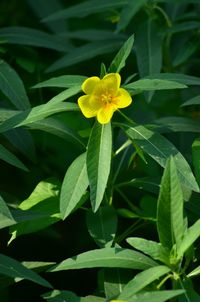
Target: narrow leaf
{"points": [[192, 102], [170, 223], [189, 238], [129, 12], [143, 279], [86, 8], [6, 218], [56, 127], [159, 148], [12, 86], [102, 225], [98, 162], [74, 185], [150, 248], [154, 84], [33, 37], [64, 81], [15, 269], [158, 296], [10, 158], [177, 77], [36, 114], [106, 257], [119, 60], [196, 159], [83, 53], [148, 45]]}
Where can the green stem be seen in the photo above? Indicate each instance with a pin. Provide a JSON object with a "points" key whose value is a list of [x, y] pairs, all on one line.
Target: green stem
{"points": [[132, 207]]}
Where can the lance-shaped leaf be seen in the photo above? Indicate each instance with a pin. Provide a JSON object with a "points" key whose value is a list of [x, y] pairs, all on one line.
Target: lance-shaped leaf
{"points": [[156, 296], [6, 218], [106, 257], [98, 162], [159, 148], [141, 280], [86, 8], [177, 77], [189, 238], [64, 81], [74, 185], [12, 86], [154, 84], [10, 158], [120, 59], [29, 36], [128, 13], [192, 102], [15, 269], [170, 223], [102, 225], [36, 114], [148, 45], [196, 158], [150, 248]]}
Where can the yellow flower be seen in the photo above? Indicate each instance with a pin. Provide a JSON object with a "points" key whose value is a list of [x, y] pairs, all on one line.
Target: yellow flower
{"points": [[103, 97]]}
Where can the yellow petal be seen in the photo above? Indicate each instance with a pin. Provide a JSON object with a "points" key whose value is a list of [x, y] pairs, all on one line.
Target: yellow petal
{"points": [[89, 105], [89, 84], [123, 98], [112, 81], [105, 114]]}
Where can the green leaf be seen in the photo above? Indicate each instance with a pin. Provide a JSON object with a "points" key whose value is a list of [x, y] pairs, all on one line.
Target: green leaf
{"points": [[114, 281], [170, 223], [10, 158], [154, 84], [178, 77], [44, 203], [176, 124], [159, 148], [36, 114], [12, 86], [184, 26], [43, 8], [93, 34], [58, 296], [58, 128], [85, 9], [148, 184], [33, 37], [151, 248], [192, 102], [22, 140], [194, 272], [64, 295], [98, 161], [158, 296], [84, 53], [6, 218], [196, 159], [66, 94], [185, 52], [64, 81], [129, 12], [44, 190], [148, 43], [119, 60], [102, 225], [106, 257], [189, 238], [141, 280], [15, 269], [74, 185]]}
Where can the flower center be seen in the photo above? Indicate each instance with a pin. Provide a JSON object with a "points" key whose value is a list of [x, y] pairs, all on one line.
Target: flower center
{"points": [[106, 99]]}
